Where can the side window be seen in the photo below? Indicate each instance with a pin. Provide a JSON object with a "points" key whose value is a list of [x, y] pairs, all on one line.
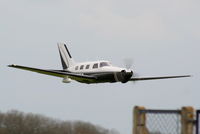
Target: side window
{"points": [[87, 67], [82, 66], [76, 68], [95, 65]]}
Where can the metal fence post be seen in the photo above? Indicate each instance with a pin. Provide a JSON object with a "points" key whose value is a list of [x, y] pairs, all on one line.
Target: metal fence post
{"points": [[139, 121], [197, 121], [187, 119]]}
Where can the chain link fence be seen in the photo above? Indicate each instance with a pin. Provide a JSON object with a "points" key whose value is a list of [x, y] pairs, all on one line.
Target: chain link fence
{"points": [[163, 121], [148, 121]]}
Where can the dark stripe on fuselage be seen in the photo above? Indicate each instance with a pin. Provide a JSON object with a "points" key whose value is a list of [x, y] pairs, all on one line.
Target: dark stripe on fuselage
{"points": [[68, 51], [102, 76], [111, 76]]}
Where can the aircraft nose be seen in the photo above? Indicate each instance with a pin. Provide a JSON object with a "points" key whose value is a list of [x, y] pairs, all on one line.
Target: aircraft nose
{"points": [[126, 75], [130, 73]]}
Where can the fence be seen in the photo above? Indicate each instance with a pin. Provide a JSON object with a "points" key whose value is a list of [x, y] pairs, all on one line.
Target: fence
{"points": [[198, 122], [147, 121]]}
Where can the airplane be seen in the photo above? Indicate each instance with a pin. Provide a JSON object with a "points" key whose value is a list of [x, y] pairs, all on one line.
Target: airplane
{"points": [[90, 72]]}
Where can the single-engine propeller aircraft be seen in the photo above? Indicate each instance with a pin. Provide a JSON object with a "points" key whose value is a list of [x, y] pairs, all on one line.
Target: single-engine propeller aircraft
{"points": [[90, 72]]}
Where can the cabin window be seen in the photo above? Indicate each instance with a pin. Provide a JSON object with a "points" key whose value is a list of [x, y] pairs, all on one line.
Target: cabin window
{"points": [[103, 64], [95, 65], [76, 68], [87, 67], [82, 66]]}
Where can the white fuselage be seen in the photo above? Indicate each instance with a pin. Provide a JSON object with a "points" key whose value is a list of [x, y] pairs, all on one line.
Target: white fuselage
{"points": [[95, 67]]}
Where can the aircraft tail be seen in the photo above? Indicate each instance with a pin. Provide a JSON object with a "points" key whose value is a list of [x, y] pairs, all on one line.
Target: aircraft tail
{"points": [[66, 58]]}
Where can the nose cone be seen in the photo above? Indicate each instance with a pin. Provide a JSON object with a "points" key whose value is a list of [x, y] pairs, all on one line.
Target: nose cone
{"points": [[129, 74], [126, 74]]}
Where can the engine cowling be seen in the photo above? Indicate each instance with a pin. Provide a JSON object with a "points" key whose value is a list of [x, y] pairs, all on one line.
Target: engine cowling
{"points": [[125, 76]]}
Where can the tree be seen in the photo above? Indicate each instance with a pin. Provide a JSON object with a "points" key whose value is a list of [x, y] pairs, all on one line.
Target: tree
{"points": [[15, 122]]}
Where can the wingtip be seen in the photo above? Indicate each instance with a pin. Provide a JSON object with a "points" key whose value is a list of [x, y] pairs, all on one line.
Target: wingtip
{"points": [[9, 65], [12, 65], [187, 76]]}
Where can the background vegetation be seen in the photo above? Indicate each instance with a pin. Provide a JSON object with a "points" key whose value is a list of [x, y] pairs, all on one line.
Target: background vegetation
{"points": [[15, 122]]}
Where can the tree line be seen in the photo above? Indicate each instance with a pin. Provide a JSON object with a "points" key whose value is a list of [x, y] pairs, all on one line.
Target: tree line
{"points": [[15, 122]]}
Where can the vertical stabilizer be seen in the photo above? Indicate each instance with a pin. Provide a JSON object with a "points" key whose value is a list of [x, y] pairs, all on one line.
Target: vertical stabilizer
{"points": [[66, 58]]}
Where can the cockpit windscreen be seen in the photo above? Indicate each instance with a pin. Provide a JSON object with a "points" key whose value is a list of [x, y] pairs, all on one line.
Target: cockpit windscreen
{"points": [[103, 64]]}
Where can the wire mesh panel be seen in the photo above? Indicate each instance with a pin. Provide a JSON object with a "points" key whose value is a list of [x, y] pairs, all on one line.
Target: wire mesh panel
{"points": [[163, 121]]}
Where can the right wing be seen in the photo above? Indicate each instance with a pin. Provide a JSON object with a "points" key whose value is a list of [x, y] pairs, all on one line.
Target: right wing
{"points": [[57, 73], [155, 78]]}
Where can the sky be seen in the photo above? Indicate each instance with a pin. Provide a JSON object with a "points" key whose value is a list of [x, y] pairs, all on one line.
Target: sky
{"points": [[161, 37]]}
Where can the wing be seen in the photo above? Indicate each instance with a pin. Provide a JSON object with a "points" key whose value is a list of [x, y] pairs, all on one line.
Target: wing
{"points": [[57, 73], [155, 78]]}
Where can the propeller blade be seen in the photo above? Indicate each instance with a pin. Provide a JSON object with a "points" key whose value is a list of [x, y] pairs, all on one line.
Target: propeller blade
{"points": [[128, 63]]}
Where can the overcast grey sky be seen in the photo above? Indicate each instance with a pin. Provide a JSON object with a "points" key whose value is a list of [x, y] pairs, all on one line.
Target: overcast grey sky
{"points": [[161, 36]]}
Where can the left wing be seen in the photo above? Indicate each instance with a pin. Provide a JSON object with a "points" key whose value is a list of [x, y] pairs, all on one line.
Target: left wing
{"points": [[57, 73], [155, 78]]}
